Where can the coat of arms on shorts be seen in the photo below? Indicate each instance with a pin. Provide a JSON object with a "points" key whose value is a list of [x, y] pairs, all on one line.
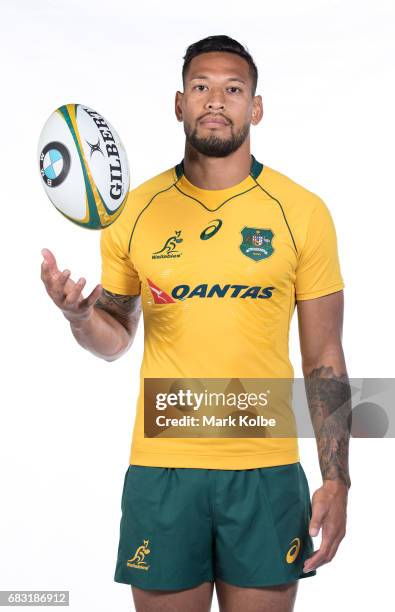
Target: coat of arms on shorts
{"points": [[257, 243]]}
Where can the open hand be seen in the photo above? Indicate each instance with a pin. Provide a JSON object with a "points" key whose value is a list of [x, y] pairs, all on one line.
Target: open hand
{"points": [[64, 292]]}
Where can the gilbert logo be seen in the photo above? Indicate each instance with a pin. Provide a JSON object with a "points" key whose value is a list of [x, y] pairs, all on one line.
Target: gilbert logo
{"points": [[95, 147], [169, 248], [137, 560], [293, 551]]}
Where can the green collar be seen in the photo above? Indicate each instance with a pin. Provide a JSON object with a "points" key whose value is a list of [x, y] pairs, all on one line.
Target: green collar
{"points": [[255, 170]]}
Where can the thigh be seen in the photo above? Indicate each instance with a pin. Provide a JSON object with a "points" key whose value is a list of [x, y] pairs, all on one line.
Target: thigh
{"points": [[280, 598], [196, 599], [165, 539], [261, 526]]}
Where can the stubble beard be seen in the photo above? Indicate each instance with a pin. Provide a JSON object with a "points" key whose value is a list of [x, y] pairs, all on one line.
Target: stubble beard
{"points": [[213, 145]]}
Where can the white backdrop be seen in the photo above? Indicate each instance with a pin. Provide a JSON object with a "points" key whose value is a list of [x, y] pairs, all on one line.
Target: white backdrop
{"points": [[326, 77]]}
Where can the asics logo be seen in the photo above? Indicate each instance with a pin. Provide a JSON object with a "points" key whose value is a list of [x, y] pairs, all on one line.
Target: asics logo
{"points": [[293, 551], [211, 229]]}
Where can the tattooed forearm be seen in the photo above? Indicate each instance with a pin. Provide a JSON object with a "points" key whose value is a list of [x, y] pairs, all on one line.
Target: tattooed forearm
{"points": [[125, 308], [329, 400]]}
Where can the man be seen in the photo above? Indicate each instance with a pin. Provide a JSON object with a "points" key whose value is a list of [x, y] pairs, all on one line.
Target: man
{"points": [[217, 251]]}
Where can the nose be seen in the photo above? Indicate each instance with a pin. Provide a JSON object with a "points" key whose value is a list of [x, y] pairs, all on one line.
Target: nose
{"points": [[215, 99]]}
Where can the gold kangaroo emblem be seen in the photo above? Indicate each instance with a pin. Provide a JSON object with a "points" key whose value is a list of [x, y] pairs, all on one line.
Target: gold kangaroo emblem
{"points": [[171, 243], [138, 558]]}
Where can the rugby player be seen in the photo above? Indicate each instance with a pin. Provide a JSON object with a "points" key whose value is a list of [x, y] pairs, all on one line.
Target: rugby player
{"points": [[217, 251]]}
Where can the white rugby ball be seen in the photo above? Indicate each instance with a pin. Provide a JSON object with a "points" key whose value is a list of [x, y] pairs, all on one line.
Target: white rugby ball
{"points": [[83, 166]]}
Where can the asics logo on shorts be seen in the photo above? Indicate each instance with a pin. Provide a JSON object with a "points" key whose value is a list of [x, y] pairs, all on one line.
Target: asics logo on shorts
{"points": [[293, 551]]}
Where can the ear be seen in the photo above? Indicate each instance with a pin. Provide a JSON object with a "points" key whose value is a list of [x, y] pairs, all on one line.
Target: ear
{"points": [[257, 110], [178, 105]]}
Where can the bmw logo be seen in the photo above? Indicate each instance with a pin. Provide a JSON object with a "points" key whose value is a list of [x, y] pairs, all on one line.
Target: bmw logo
{"points": [[54, 163]]}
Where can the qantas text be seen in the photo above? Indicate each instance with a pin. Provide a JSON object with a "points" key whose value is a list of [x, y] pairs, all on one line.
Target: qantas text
{"points": [[181, 292]]}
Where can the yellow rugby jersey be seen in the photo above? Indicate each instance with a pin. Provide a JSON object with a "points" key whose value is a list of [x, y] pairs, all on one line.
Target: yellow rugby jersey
{"points": [[219, 272]]}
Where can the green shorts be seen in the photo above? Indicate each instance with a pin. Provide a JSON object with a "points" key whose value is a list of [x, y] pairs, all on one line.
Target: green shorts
{"points": [[184, 526]]}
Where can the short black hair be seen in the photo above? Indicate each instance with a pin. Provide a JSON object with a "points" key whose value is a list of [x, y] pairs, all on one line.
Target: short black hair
{"points": [[220, 43]]}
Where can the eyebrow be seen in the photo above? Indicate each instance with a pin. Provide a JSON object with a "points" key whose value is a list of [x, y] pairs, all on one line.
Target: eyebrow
{"points": [[202, 76]]}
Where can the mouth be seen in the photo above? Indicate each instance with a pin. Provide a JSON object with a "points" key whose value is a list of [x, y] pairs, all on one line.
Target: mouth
{"points": [[214, 122]]}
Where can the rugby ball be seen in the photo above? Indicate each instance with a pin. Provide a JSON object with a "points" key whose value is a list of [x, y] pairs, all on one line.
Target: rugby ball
{"points": [[83, 166]]}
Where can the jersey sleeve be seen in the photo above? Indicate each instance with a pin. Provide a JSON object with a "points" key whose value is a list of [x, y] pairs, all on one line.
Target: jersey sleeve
{"points": [[318, 271], [118, 273]]}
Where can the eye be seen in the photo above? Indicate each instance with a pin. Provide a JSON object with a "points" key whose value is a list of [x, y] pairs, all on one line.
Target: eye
{"points": [[199, 86], [238, 88]]}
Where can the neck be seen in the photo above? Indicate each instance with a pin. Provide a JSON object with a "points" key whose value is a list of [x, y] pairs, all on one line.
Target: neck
{"points": [[217, 172]]}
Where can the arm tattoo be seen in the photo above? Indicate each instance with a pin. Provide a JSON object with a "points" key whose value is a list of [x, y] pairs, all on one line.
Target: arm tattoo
{"points": [[329, 400], [125, 308]]}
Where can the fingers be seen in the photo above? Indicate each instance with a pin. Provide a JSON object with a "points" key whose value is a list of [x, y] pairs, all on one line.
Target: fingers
{"points": [[72, 297], [320, 509], [331, 538], [335, 545], [319, 512], [66, 294], [59, 281], [92, 298], [49, 263], [49, 272], [321, 555]]}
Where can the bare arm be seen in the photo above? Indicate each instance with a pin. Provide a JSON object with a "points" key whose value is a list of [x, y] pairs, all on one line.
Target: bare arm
{"points": [[329, 399], [103, 323], [326, 381], [110, 330]]}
